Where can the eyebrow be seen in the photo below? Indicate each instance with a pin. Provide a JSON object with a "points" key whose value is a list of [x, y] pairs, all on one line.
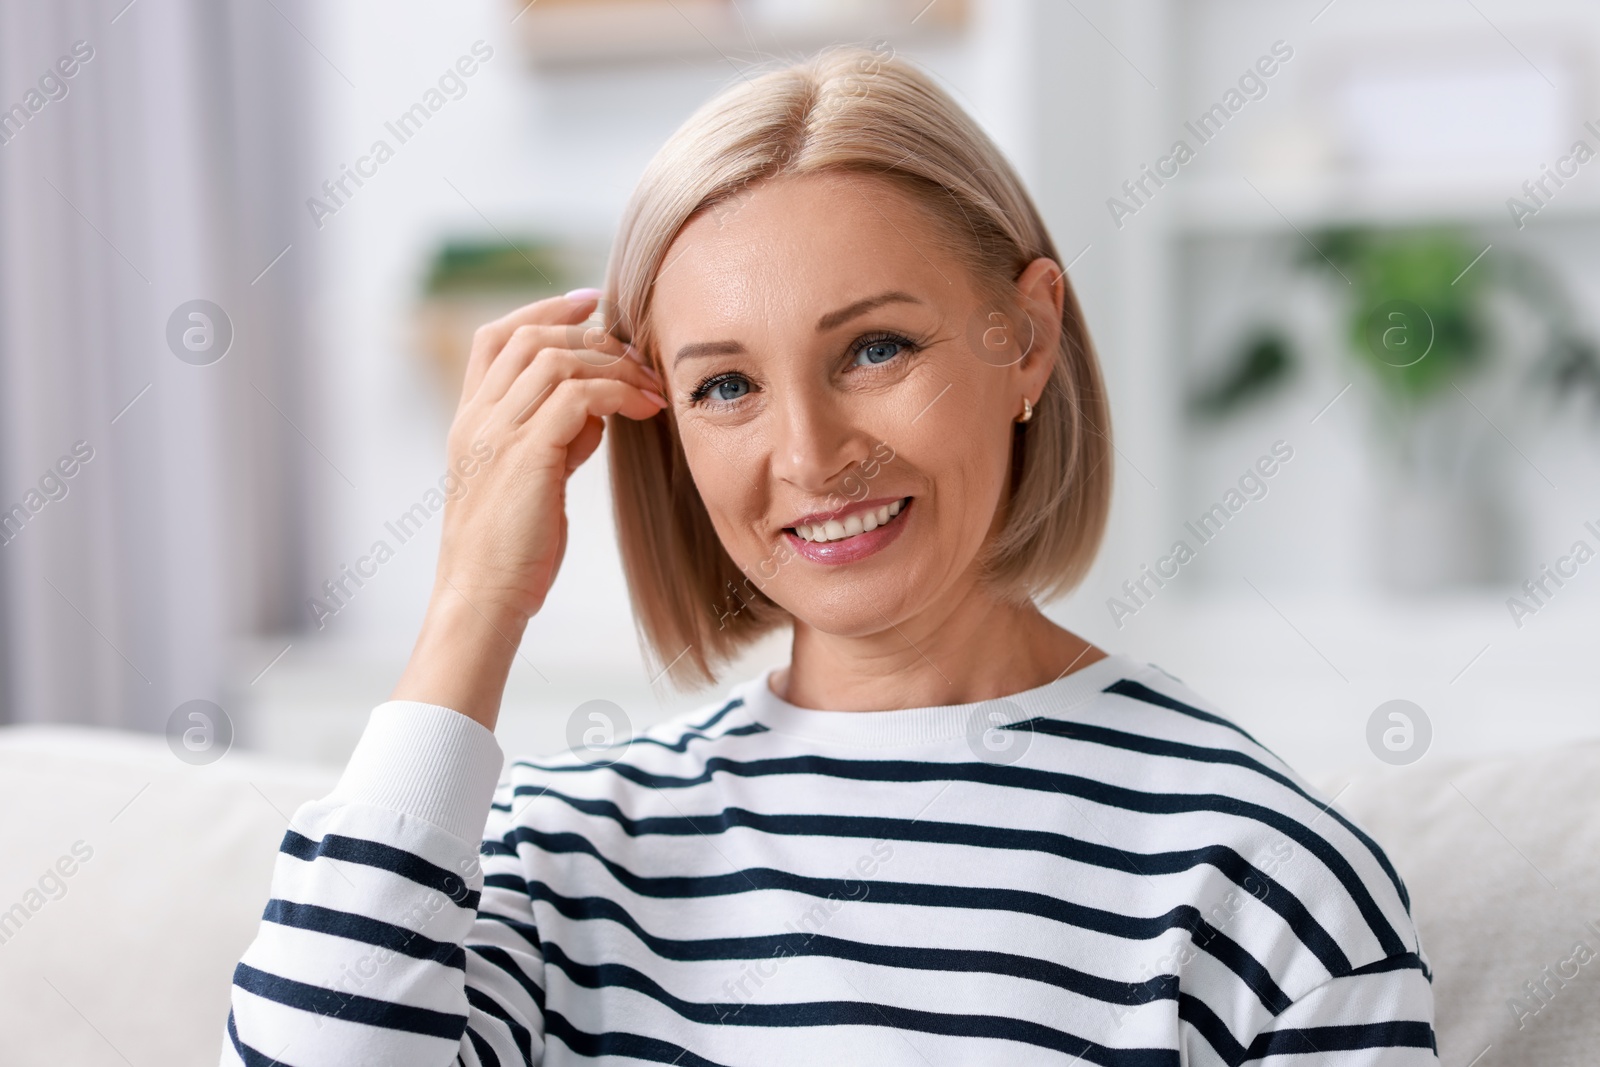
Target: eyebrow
{"points": [[831, 320], [861, 307], [707, 348]]}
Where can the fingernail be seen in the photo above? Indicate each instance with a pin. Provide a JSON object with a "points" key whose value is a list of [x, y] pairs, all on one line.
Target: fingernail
{"points": [[657, 397], [581, 295], [654, 375]]}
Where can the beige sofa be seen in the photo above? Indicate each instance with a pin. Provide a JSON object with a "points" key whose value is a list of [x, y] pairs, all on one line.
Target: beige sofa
{"points": [[141, 879]]}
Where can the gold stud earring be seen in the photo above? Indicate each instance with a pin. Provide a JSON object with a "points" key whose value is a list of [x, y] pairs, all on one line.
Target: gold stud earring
{"points": [[1027, 410]]}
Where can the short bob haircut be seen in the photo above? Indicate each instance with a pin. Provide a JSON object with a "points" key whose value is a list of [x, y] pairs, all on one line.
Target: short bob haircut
{"points": [[848, 110]]}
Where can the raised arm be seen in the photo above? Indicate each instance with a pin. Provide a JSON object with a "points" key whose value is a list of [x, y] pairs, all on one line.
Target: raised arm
{"points": [[379, 944]]}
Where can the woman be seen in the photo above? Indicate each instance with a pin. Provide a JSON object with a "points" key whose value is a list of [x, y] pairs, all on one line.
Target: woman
{"points": [[849, 389]]}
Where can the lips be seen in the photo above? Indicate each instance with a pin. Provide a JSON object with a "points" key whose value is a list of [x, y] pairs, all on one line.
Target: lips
{"points": [[827, 538]]}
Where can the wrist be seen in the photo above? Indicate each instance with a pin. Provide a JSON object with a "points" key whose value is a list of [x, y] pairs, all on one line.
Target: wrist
{"points": [[459, 601], [463, 654]]}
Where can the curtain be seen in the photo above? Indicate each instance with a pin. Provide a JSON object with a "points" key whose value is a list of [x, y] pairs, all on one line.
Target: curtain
{"points": [[151, 445]]}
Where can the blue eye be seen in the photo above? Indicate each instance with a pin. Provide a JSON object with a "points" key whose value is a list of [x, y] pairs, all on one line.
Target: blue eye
{"points": [[879, 351], [725, 388]]}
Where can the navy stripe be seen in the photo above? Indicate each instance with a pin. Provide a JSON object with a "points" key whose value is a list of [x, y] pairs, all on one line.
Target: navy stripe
{"points": [[593, 761], [1198, 1014], [1139, 691], [1319, 1039], [384, 857], [249, 1056], [1037, 780], [682, 743], [367, 931], [499, 957], [527, 931], [692, 733], [1150, 696], [722, 713], [1313, 1040], [872, 828], [1186, 917], [612, 1043], [487, 1005], [1159, 987], [349, 1006], [1402, 962], [854, 1013], [481, 1046]]}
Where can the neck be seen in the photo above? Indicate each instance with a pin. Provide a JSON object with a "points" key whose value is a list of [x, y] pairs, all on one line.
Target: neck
{"points": [[978, 648]]}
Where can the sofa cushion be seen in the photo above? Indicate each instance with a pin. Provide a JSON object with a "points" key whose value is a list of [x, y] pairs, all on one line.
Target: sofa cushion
{"points": [[130, 884], [1502, 861]]}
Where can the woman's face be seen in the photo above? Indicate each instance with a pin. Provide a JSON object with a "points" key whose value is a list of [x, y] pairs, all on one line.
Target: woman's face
{"points": [[826, 361]]}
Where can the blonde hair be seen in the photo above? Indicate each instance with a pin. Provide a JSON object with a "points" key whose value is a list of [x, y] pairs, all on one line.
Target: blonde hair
{"points": [[855, 111]]}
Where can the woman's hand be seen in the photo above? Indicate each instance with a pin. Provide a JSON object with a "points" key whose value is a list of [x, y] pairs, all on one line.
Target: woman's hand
{"points": [[537, 387]]}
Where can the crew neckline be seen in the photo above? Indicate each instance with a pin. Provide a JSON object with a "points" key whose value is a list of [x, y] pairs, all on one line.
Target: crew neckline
{"points": [[937, 723]]}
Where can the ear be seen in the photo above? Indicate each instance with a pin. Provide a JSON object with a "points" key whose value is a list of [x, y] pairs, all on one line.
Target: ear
{"points": [[1041, 295]]}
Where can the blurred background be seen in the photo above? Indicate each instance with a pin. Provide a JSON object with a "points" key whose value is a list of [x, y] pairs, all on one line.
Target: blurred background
{"points": [[243, 245]]}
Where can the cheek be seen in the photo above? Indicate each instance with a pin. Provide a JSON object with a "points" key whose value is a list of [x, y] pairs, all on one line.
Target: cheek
{"points": [[723, 473], [963, 463], [975, 473]]}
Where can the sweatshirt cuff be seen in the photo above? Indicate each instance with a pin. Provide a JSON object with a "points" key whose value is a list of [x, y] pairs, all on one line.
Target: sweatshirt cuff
{"points": [[426, 761]]}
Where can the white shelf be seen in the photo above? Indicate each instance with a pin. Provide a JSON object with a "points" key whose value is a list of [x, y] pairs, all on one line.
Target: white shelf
{"points": [[1210, 204], [580, 34]]}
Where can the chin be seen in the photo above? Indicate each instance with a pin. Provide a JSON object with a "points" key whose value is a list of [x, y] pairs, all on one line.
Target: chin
{"points": [[857, 604]]}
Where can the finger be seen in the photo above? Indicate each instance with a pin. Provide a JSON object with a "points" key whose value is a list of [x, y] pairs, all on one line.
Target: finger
{"points": [[554, 365], [592, 345], [584, 445], [556, 424], [491, 337]]}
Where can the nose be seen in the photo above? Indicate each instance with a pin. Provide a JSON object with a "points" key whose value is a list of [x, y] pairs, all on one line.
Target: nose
{"points": [[816, 439]]}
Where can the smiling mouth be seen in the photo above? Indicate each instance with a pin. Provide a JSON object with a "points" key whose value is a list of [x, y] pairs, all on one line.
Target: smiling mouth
{"points": [[852, 525]]}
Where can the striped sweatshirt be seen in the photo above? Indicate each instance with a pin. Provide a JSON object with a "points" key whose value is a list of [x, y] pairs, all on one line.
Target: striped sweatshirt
{"points": [[1100, 870]]}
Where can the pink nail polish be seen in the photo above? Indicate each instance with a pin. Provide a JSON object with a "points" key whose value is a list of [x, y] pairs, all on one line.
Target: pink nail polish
{"points": [[581, 295], [657, 397]]}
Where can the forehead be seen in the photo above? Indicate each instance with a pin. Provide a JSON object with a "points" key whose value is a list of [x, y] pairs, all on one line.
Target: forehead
{"points": [[794, 248]]}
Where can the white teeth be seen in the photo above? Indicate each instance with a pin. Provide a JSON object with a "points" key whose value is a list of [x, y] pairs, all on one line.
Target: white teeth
{"points": [[850, 526]]}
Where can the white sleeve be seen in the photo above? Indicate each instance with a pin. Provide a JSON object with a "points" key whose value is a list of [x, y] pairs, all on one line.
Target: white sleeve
{"points": [[379, 945]]}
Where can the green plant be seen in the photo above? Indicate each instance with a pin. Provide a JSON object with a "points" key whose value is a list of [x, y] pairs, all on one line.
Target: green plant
{"points": [[1417, 320], [1416, 313], [464, 265], [1263, 362]]}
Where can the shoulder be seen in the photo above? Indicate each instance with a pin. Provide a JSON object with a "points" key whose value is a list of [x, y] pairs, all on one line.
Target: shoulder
{"points": [[1192, 778]]}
